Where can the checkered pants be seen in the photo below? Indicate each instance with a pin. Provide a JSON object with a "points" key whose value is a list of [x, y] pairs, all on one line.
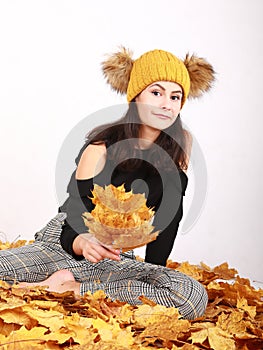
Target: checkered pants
{"points": [[124, 280]]}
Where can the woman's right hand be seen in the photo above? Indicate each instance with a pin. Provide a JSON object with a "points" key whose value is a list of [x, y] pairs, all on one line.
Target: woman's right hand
{"points": [[87, 245]]}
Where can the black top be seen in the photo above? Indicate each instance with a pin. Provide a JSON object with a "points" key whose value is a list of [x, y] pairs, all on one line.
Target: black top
{"points": [[164, 191]]}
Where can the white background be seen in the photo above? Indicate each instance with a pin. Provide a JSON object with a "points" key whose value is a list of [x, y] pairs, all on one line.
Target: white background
{"points": [[50, 80]]}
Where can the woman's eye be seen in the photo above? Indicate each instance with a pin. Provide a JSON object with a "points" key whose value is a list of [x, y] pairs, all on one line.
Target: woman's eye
{"points": [[156, 93], [176, 98]]}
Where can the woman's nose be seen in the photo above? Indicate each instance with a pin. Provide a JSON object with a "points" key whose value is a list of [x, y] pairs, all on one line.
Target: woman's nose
{"points": [[166, 103]]}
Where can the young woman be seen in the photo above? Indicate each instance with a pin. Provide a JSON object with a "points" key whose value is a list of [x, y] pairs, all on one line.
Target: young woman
{"points": [[148, 151]]}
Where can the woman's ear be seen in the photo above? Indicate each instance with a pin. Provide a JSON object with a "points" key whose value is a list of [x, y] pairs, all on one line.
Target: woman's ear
{"points": [[117, 69], [201, 73]]}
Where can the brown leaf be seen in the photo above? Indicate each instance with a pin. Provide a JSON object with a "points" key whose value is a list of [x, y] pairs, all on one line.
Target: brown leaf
{"points": [[7, 328], [243, 305], [224, 272]]}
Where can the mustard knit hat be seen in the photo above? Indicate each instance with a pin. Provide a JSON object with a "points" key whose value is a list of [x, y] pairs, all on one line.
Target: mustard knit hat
{"points": [[127, 76], [157, 65]]}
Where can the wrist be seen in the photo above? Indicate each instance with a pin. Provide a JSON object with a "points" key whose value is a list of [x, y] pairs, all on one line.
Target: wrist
{"points": [[76, 246]]}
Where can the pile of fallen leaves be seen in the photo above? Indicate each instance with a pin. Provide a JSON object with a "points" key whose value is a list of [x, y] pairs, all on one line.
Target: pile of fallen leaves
{"points": [[39, 319]]}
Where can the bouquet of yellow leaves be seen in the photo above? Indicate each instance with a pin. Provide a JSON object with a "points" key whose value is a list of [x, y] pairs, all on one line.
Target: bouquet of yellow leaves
{"points": [[120, 219]]}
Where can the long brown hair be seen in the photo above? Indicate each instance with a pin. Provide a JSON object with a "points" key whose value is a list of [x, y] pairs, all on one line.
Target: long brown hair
{"points": [[172, 140]]}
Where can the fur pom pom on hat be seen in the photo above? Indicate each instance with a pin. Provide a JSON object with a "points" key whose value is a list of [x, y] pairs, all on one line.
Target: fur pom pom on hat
{"points": [[127, 76]]}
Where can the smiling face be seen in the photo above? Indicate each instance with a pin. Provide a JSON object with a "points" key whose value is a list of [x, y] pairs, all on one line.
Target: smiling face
{"points": [[159, 105]]}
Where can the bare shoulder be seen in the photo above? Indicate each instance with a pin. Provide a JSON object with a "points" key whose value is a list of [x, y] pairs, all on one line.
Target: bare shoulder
{"points": [[92, 161], [95, 148]]}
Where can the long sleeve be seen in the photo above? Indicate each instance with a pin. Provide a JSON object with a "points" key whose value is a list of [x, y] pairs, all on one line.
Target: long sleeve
{"points": [[76, 204], [167, 219]]}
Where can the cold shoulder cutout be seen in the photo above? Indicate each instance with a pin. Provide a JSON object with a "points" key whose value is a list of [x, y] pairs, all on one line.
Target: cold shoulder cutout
{"points": [[92, 161]]}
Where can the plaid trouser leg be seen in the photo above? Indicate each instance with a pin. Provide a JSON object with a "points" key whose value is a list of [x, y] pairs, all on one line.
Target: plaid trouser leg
{"points": [[129, 279], [37, 261]]}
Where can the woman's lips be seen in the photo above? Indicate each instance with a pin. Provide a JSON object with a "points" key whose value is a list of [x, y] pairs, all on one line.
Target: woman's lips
{"points": [[162, 116]]}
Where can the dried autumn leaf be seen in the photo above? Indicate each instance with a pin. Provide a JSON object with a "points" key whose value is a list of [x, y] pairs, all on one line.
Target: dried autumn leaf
{"points": [[8, 245], [81, 327], [232, 323], [18, 316], [45, 304], [7, 328], [215, 286], [60, 336], [4, 284], [101, 345], [199, 337], [243, 305], [159, 322], [117, 200], [111, 332], [189, 270], [36, 334], [10, 302], [125, 314], [47, 318], [224, 272], [219, 339]]}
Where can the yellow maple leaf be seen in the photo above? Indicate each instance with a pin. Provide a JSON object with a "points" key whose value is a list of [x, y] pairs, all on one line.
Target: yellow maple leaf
{"points": [[11, 302], [125, 314], [36, 334], [146, 315], [111, 332], [81, 327], [215, 285], [219, 339], [243, 305], [60, 336], [76, 319], [45, 304], [159, 322], [233, 323], [224, 272], [199, 337], [189, 270], [18, 316], [48, 318], [124, 337]]}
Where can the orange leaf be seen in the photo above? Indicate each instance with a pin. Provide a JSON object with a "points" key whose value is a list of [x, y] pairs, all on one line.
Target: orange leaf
{"points": [[224, 272], [243, 305], [18, 316], [220, 340]]}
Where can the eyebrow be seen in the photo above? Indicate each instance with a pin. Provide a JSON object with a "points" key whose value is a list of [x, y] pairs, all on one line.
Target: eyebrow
{"points": [[161, 87]]}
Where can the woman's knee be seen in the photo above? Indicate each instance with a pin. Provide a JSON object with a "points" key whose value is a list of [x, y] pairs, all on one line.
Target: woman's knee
{"points": [[182, 292], [198, 299], [192, 298]]}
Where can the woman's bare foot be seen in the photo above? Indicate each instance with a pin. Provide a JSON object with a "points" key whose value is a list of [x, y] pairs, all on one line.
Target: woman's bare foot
{"points": [[60, 281]]}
